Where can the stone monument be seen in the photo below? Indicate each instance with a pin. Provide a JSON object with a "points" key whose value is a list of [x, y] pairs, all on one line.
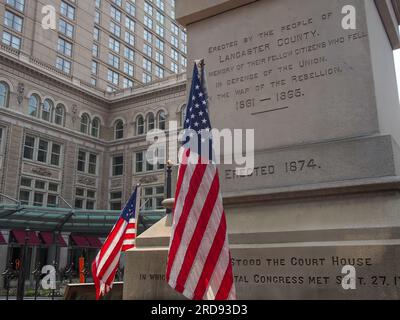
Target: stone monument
{"points": [[316, 80]]}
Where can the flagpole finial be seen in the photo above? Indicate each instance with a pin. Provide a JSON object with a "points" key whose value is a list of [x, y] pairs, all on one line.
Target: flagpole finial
{"points": [[170, 163]]}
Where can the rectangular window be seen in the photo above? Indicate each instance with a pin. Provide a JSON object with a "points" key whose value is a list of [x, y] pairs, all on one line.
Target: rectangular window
{"points": [[67, 10], [113, 60], [55, 154], [160, 31], [39, 193], [147, 65], [130, 8], [174, 41], [174, 29], [96, 34], [117, 166], [114, 45], [17, 4], [160, 4], [66, 28], [148, 8], [174, 67], [81, 161], [115, 14], [95, 50], [11, 40], [130, 24], [63, 65], [113, 77], [29, 147], [160, 17], [64, 47], [146, 78], [42, 151], [127, 83], [139, 162], [97, 16], [147, 50], [159, 58], [129, 54], [160, 44], [115, 29], [92, 163], [130, 38], [13, 21], [153, 197], [159, 72], [128, 69], [95, 67], [147, 36], [116, 200], [87, 162], [85, 199], [148, 22]]}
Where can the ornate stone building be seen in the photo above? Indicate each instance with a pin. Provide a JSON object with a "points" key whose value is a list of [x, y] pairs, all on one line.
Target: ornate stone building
{"points": [[62, 141]]}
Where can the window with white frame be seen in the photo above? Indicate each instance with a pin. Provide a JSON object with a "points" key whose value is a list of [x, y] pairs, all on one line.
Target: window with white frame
{"points": [[119, 130], [47, 110], [42, 150], [4, 95], [174, 67], [152, 197], [87, 162], [174, 54], [174, 41], [159, 57], [117, 165], [95, 132], [146, 78], [116, 200], [64, 47], [85, 198], [38, 192], [59, 115], [34, 103], [174, 29]]}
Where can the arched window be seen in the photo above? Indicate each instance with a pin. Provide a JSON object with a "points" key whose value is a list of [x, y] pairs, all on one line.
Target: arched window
{"points": [[85, 121], [139, 125], [4, 94], [151, 123], [162, 119], [47, 110], [183, 115], [59, 116], [96, 127], [119, 130], [34, 102]]}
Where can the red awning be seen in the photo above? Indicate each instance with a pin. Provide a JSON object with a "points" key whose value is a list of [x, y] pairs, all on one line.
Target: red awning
{"points": [[94, 242], [80, 241], [19, 235], [48, 237], [2, 240]]}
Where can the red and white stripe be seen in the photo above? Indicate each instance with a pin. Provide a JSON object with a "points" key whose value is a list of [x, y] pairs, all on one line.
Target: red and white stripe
{"points": [[130, 236], [199, 264]]}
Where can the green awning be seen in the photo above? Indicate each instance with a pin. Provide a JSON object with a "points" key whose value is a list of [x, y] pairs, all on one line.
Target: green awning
{"points": [[14, 216]]}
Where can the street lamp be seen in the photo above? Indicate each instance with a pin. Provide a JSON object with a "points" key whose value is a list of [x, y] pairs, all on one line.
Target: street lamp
{"points": [[22, 269]]}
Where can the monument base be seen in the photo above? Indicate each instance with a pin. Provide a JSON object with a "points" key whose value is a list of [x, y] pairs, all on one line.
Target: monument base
{"points": [[295, 244]]}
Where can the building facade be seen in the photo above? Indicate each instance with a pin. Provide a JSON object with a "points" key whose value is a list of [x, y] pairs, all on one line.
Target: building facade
{"points": [[105, 44], [68, 140]]}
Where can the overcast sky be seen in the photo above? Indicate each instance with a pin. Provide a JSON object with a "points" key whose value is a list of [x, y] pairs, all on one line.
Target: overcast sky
{"points": [[397, 61]]}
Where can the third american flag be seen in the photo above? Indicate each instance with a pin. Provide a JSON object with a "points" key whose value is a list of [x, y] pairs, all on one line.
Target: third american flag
{"points": [[199, 264]]}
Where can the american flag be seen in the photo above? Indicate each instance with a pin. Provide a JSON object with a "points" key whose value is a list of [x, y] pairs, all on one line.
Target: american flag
{"points": [[199, 263], [121, 239]]}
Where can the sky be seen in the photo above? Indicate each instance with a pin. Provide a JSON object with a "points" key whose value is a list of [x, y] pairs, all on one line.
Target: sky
{"points": [[397, 62]]}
